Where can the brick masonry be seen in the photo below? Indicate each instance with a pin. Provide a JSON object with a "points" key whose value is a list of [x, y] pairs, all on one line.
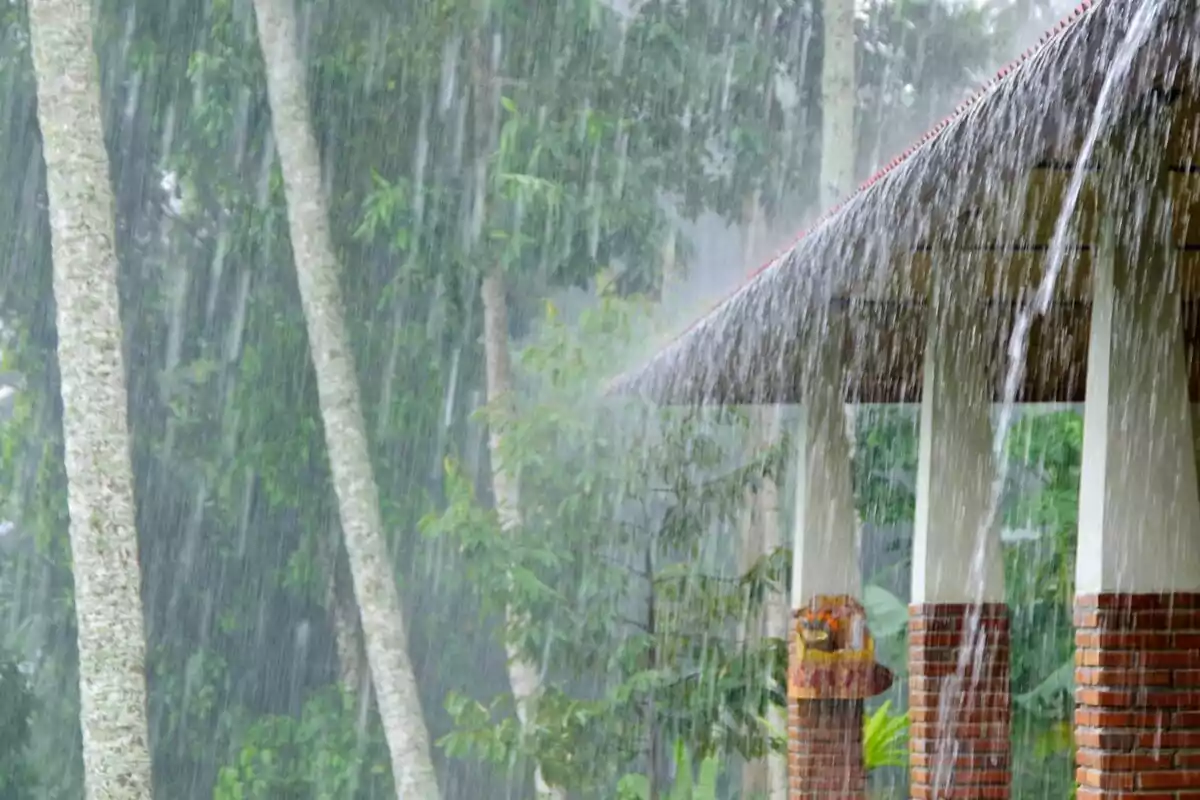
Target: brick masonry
{"points": [[961, 750], [1137, 696], [825, 750]]}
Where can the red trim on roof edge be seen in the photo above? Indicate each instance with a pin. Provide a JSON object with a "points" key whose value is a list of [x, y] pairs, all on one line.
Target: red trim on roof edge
{"points": [[928, 136]]}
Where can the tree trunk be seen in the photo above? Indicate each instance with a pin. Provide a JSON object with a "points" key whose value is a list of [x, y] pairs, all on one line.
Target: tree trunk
{"points": [[838, 100], [354, 677], [104, 547], [523, 676], [761, 534], [754, 229], [353, 674], [775, 612], [839, 92], [378, 599]]}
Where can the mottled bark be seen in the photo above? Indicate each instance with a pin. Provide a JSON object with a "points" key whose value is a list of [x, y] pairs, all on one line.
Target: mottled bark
{"points": [[523, 676], [104, 548], [839, 90], [375, 590], [353, 674]]}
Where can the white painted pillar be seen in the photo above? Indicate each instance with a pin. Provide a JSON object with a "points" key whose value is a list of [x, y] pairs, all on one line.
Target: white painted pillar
{"points": [[957, 618], [825, 736], [1138, 564], [1139, 506], [825, 527], [956, 541]]}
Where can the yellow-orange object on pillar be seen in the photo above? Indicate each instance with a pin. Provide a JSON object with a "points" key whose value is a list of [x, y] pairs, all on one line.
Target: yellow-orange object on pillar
{"points": [[833, 653]]}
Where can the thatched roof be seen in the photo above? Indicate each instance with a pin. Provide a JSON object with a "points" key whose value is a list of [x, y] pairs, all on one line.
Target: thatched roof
{"points": [[980, 194]]}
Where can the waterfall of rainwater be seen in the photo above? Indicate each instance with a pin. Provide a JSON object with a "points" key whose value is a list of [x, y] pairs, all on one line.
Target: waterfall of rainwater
{"points": [[972, 655]]}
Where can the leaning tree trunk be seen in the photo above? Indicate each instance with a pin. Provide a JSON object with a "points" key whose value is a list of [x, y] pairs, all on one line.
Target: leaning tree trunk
{"points": [[523, 676], [382, 617], [353, 674], [104, 547]]}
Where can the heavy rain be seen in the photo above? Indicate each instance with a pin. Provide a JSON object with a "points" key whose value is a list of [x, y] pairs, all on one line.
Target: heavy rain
{"points": [[570, 399]]}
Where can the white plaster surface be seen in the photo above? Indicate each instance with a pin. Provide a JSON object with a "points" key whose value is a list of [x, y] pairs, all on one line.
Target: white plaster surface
{"points": [[956, 539], [1139, 507], [825, 527]]}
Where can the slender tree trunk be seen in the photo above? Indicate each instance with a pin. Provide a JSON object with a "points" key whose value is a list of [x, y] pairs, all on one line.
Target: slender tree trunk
{"points": [[104, 547], [839, 92], [756, 773], [838, 101], [523, 676], [760, 533], [653, 756], [354, 676], [775, 613], [382, 616], [670, 277], [353, 673], [754, 229]]}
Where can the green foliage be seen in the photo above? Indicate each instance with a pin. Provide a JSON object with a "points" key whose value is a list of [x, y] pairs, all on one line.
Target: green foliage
{"points": [[885, 452], [689, 784], [617, 563], [597, 120], [1044, 452], [887, 616], [325, 754], [885, 738], [1045, 449], [18, 778]]}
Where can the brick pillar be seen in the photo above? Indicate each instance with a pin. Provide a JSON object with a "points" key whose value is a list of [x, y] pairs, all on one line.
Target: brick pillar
{"points": [[1137, 695], [825, 750], [959, 736]]}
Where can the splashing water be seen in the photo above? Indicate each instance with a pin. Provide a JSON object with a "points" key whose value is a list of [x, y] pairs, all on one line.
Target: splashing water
{"points": [[1139, 29], [972, 656]]}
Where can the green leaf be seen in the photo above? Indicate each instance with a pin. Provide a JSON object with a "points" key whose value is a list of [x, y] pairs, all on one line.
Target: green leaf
{"points": [[887, 615], [633, 787], [1058, 683], [706, 782], [885, 739]]}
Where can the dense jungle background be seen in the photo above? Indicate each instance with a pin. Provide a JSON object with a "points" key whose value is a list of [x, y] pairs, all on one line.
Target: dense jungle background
{"points": [[638, 160]]}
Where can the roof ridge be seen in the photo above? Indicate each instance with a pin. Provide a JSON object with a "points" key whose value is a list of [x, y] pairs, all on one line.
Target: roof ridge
{"points": [[960, 110]]}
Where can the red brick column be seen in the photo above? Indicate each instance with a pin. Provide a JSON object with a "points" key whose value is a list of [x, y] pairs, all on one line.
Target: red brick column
{"points": [[960, 716], [1137, 696], [825, 750]]}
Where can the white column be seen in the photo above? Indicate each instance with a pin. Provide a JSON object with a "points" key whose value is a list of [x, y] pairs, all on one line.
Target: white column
{"points": [[956, 538], [825, 528], [1139, 507]]}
